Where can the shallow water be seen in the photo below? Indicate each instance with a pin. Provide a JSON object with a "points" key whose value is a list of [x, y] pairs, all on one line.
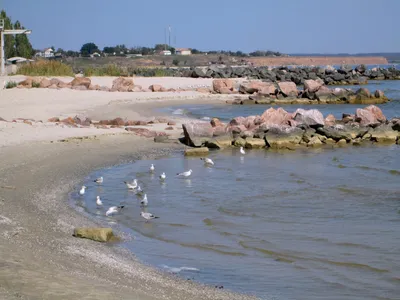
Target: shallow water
{"points": [[282, 225], [226, 112]]}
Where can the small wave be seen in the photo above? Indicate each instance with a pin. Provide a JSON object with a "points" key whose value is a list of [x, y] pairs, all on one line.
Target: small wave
{"points": [[206, 118], [340, 166], [179, 111], [350, 191], [180, 269], [394, 172]]}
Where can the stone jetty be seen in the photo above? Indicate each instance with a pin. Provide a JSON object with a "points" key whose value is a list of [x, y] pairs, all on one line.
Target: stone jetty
{"points": [[279, 129]]}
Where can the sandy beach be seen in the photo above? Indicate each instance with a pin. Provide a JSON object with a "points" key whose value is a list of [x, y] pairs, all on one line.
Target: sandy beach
{"points": [[39, 257]]}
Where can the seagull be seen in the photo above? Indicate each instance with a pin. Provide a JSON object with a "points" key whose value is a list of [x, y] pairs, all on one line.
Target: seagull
{"points": [[139, 190], [144, 201], [99, 180], [152, 168], [148, 216], [185, 174], [113, 210], [163, 176], [207, 161], [132, 185], [242, 151], [98, 201], [82, 191]]}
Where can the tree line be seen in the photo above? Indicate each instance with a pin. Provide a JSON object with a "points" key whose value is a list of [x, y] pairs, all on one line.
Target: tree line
{"points": [[17, 45]]}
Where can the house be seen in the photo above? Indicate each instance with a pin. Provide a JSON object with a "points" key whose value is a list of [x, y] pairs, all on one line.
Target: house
{"points": [[95, 54], [46, 53], [165, 52], [183, 51]]}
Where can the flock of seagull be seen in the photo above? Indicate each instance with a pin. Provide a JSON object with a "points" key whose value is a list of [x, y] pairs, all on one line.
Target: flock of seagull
{"points": [[136, 187]]}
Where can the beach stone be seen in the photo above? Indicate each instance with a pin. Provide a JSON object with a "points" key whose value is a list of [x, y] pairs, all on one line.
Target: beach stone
{"points": [[377, 112], [196, 151], [283, 137], [312, 85], [95, 234], [336, 132], [330, 141], [379, 94], [341, 142], [80, 81], [45, 83], [330, 120], [155, 88], [276, 116], [311, 117], [220, 142], [196, 133], [239, 142], [219, 130], [237, 121], [308, 134], [288, 89], [122, 84], [314, 142], [365, 117], [27, 83], [253, 143], [54, 119], [223, 86], [249, 122], [171, 123], [216, 122], [384, 134], [256, 86], [116, 122]]}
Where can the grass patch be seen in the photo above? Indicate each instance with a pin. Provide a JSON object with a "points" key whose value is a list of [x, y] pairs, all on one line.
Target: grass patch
{"points": [[11, 84], [46, 68], [35, 84], [108, 70]]}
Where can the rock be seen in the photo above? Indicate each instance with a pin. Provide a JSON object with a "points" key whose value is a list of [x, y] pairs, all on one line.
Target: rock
{"points": [[68, 121], [104, 88], [338, 132], [377, 112], [361, 69], [216, 122], [283, 137], [250, 87], [117, 122], [169, 128], [80, 81], [341, 142], [253, 143], [237, 121], [249, 122], [314, 142], [95, 234], [78, 87], [364, 92], [27, 83], [288, 89], [2, 120], [155, 88], [54, 119], [276, 116], [122, 84], [44, 83], [94, 87], [379, 94], [220, 142], [312, 118], [219, 130], [239, 142], [384, 134], [145, 132], [330, 120], [223, 86], [171, 123], [312, 85], [196, 133], [203, 90], [365, 117], [196, 151]]}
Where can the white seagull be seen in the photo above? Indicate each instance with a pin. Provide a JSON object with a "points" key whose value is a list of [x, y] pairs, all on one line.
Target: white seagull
{"points": [[163, 176], [185, 174], [98, 201], [144, 201], [82, 191], [242, 151], [139, 190], [152, 168], [99, 180], [207, 161], [132, 185], [113, 210], [148, 216]]}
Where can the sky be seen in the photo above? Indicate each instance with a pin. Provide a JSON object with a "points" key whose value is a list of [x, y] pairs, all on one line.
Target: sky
{"points": [[287, 26]]}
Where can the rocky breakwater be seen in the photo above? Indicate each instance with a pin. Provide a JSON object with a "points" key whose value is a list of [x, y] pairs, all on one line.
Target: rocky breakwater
{"points": [[279, 129], [344, 75], [314, 92]]}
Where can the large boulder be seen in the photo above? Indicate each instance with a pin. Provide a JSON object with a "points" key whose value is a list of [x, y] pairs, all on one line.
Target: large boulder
{"points": [[312, 117], [156, 88], [283, 137], [202, 151], [80, 81], [223, 86], [195, 134], [27, 83], [377, 112], [95, 234], [255, 86], [330, 120], [122, 84], [312, 85], [384, 134], [253, 143], [365, 117], [342, 132], [288, 89], [215, 122], [45, 83], [276, 116], [237, 121]]}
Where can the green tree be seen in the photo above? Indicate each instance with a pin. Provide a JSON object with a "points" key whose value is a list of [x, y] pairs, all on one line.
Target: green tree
{"points": [[89, 48], [9, 40], [23, 47]]}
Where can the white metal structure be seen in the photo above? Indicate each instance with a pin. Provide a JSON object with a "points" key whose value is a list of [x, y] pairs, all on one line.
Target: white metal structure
{"points": [[4, 32]]}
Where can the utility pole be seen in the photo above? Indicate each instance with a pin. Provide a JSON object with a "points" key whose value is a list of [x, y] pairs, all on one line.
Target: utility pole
{"points": [[169, 36], [4, 32]]}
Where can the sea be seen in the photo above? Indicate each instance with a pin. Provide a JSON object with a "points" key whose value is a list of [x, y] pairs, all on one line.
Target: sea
{"points": [[307, 224]]}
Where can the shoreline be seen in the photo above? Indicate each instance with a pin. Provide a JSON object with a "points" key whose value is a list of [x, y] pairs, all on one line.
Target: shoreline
{"points": [[41, 259]]}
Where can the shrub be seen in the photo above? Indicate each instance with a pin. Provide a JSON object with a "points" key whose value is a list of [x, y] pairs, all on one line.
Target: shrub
{"points": [[46, 68], [10, 84], [175, 62], [109, 70], [35, 84]]}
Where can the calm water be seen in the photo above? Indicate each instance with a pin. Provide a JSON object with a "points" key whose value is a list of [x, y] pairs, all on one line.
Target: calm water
{"points": [[227, 112], [316, 224]]}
